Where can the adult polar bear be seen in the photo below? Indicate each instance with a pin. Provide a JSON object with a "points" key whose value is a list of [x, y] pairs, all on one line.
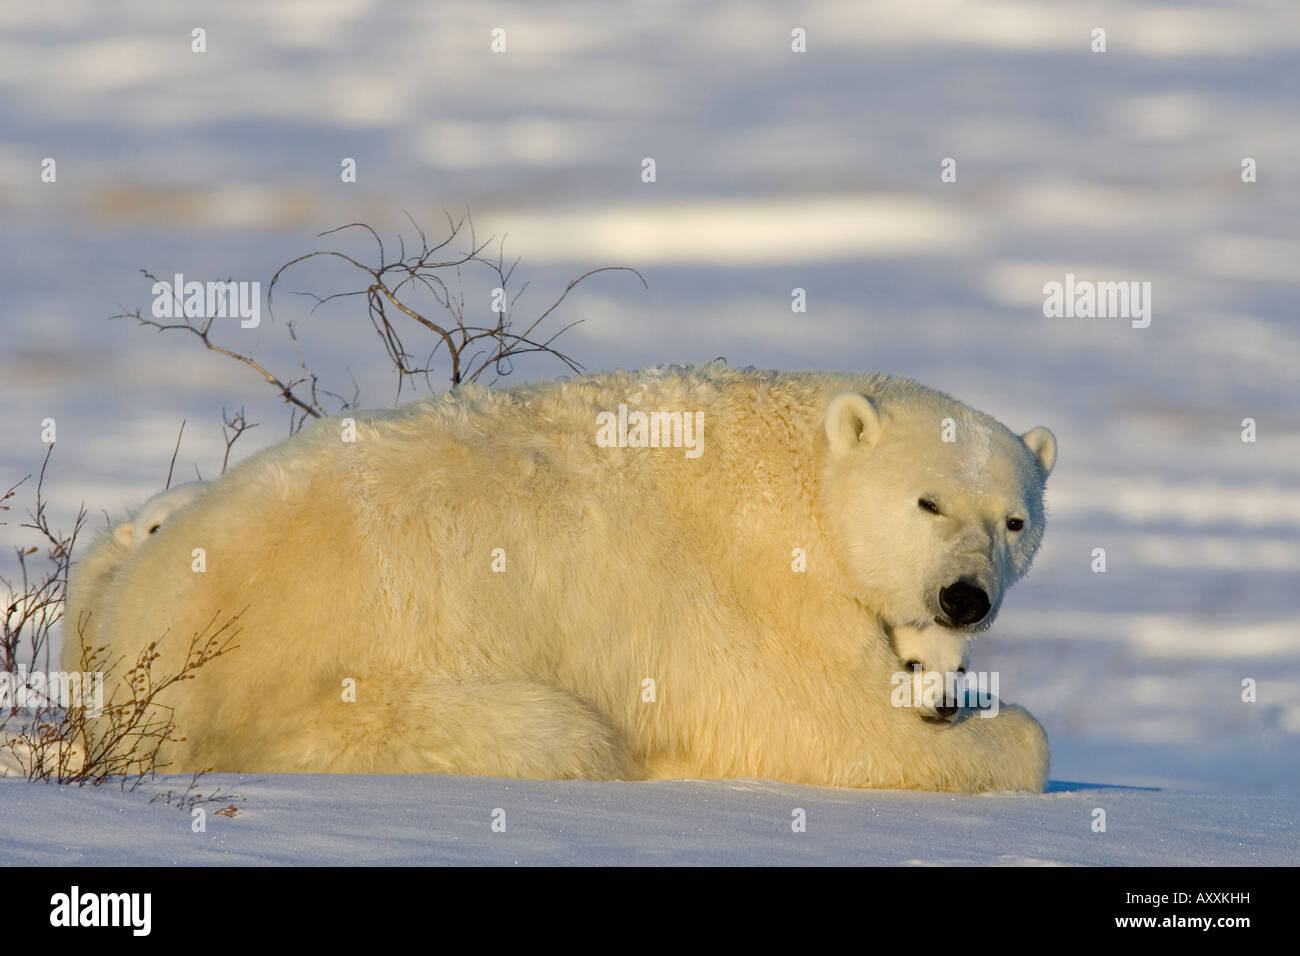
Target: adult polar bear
{"points": [[513, 599]]}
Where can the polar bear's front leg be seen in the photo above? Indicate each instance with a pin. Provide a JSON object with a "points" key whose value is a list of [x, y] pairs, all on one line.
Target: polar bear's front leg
{"points": [[1006, 752]]}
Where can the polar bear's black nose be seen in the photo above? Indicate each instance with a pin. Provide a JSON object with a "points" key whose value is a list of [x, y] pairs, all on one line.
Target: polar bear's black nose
{"points": [[946, 711], [963, 603]]}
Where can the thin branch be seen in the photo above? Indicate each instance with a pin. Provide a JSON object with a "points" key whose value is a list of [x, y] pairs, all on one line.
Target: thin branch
{"points": [[398, 291], [175, 450]]}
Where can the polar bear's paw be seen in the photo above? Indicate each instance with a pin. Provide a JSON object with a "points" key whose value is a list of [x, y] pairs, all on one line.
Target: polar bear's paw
{"points": [[1011, 749]]}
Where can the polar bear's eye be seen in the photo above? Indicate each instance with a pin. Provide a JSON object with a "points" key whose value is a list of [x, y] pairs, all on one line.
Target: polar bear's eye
{"points": [[927, 505], [154, 529], [1015, 524]]}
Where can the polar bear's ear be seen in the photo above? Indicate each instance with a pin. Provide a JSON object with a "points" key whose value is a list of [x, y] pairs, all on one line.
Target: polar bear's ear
{"points": [[851, 418], [1043, 444]]}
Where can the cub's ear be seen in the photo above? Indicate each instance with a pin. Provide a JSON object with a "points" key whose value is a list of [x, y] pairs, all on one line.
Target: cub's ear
{"points": [[1043, 444], [851, 418]]}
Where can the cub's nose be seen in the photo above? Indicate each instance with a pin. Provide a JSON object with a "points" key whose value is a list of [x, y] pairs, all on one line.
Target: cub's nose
{"points": [[946, 711], [963, 603]]}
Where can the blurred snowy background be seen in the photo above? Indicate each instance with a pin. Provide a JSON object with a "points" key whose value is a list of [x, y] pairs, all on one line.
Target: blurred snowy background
{"points": [[775, 170]]}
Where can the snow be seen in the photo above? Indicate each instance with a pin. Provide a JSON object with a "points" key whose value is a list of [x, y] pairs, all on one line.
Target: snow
{"points": [[775, 171], [419, 820]]}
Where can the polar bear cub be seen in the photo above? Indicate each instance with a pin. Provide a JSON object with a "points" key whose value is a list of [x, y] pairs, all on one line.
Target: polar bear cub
{"points": [[92, 573], [150, 516], [925, 651]]}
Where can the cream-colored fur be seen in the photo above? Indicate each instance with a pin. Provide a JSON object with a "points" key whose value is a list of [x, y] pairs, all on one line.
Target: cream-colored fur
{"points": [[926, 650], [649, 620], [92, 573]]}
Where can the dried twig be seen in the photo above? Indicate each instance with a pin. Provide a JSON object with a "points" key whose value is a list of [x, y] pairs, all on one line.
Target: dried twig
{"points": [[34, 603], [238, 423], [175, 450], [392, 287]]}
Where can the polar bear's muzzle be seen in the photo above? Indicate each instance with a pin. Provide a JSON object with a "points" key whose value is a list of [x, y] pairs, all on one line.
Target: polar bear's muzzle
{"points": [[962, 604]]}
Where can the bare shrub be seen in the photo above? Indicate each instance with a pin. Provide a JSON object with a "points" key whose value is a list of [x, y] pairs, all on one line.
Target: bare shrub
{"points": [[71, 738], [34, 603], [191, 797], [396, 290]]}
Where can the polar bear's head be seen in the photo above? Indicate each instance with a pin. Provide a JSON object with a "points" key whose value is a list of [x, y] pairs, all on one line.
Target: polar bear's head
{"points": [[936, 509], [149, 517]]}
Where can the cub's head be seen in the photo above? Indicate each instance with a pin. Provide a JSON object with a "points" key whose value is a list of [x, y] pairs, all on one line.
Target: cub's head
{"points": [[930, 653], [149, 518], [935, 508]]}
